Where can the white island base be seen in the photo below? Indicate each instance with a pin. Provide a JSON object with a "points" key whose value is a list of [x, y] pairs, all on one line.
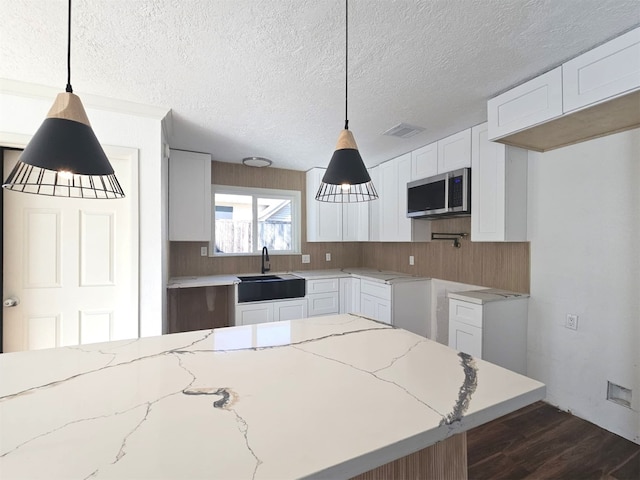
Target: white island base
{"points": [[327, 397]]}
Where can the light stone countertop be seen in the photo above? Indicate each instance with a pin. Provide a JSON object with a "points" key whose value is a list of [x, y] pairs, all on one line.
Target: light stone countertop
{"points": [[367, 273], [486, 295], [323, 397]]}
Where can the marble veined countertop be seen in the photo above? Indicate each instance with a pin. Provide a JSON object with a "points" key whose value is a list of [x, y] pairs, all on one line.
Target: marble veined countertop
{"points": [[486, 295], [324, 397]]}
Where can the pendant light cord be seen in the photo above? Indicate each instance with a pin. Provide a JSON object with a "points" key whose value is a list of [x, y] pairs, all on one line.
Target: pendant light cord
{"points": [[69, 89], [346, 64]]}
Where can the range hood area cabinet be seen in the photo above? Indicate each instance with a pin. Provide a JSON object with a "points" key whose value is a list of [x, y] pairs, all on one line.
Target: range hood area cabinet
{"points": [[189, 196], [594, 94], [498, 190], [334, 222]]}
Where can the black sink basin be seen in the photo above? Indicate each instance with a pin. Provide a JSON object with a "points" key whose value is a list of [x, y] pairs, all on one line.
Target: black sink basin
{"points": [[270, 287]]}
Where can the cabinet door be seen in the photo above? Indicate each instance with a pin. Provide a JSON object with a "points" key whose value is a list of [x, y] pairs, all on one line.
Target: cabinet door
{"points": [[290, 310], [606, 71], [355, 222], [404, 177], [375, 206], [324, 219], [498, 190], [531, 103], [454, 151], [368, 306], [346, 295], [254, 313], [487, 187], [189, 196], [389, 203], [465, 338], [424, 161], [383, 310], [323, 304]]}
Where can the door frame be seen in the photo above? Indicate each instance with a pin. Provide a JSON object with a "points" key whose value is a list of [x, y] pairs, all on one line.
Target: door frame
{"points": [[10, 141]]}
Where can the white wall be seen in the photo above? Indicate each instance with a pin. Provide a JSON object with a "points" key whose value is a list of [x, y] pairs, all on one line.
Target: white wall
{"points": [[584, 228], [23, 107]]}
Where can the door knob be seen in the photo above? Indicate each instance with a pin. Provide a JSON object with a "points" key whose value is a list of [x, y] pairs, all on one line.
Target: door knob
{"points": [[11, 301]]}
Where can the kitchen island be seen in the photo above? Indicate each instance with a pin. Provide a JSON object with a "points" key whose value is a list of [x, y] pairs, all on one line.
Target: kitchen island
{"points": [[323, 397]]}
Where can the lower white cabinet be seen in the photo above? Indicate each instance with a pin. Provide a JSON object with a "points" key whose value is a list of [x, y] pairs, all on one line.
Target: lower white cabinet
{"points": [[272, 311], [323, 296], [350, 295], [494, 331], [404, 304]]}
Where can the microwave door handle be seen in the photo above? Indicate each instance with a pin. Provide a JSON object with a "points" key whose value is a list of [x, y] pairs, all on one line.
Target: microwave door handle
{"points": [[446, 192]]}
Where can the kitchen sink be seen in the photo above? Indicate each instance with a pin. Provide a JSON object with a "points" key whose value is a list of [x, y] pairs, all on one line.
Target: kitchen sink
{"points": [[257, 288]]}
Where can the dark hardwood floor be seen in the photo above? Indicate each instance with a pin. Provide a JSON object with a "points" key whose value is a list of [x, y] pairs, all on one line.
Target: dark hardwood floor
{"points": [[542, 442]]}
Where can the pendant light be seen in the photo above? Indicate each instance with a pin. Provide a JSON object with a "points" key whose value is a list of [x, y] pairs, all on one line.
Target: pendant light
{"points": [[64, 157], [346, 178]]}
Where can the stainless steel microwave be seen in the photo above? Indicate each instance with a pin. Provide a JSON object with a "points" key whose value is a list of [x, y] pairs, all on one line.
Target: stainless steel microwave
{"points": [[444, 195]]}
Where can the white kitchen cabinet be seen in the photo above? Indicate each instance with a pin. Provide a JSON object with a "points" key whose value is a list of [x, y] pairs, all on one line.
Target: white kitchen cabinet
{"points": [[324, 219], [498, 190], [189, 196], [495, 331], [404, 304], [454, 151], [607, 71], [531, 103], [424, 161], [289, 309], [252, 313], [350, 295], [323, 296], [394, 176], [334, 222], [375, 206]]}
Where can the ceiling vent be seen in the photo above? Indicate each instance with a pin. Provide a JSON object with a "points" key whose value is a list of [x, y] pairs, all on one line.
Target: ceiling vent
{"points": [[403, 130]]}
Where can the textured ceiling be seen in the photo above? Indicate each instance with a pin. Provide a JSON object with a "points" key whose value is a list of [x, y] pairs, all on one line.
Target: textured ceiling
{"points": [[266, 77]]}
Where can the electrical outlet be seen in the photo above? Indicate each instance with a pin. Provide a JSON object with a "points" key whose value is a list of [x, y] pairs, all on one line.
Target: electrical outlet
{"points": [[572, 321], [204, 251], [411, 260], [327, 257], [306, 258]]}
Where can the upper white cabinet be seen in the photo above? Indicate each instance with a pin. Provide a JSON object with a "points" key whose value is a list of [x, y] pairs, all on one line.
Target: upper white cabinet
{"points": [[454, 151], [334, 222], [189, 196], [394, 176], [594, 94], [450, 153], [498, 190], [606, 71], [424, 161], [533, 102]]}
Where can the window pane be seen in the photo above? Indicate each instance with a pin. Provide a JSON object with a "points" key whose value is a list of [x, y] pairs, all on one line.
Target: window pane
{"points": [[233, 222], [274, 224]]}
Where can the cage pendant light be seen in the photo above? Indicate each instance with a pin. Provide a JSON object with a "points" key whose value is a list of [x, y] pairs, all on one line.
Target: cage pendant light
{"points": [[346, 179], [64, 157]]}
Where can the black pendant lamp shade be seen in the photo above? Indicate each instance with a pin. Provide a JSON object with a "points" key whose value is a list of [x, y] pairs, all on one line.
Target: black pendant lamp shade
{"points": [[64, 157], [346, 179]]}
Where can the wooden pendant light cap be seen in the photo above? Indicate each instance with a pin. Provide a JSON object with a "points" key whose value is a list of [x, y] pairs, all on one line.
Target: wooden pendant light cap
{"points": [[69, 107], [346, 140]]}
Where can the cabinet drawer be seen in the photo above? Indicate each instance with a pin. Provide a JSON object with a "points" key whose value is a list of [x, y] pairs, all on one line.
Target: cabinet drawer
{"points": [[606, 71], [526, 105], [323, 285], [323, 304], [465, 312], [380, 290]]}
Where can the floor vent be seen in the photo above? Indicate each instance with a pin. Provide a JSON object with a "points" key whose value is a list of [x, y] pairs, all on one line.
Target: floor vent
{"points": [[619, 395], [403, 130]]}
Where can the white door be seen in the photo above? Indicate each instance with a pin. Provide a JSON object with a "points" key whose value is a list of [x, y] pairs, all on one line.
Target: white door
{"points": [[71, 264]]}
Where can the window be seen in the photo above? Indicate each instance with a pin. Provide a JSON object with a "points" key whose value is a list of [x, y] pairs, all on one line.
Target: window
{"points": [[247, 219]]}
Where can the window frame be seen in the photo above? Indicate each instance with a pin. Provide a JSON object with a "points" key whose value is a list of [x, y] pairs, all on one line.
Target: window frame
{"points": [[296, 217]]}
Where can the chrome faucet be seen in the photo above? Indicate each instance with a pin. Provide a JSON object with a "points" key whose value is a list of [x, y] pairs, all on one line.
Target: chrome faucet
{"points": [[265, 257]]}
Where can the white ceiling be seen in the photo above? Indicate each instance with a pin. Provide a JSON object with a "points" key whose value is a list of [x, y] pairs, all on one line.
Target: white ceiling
{"points": [[266, 77]]}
